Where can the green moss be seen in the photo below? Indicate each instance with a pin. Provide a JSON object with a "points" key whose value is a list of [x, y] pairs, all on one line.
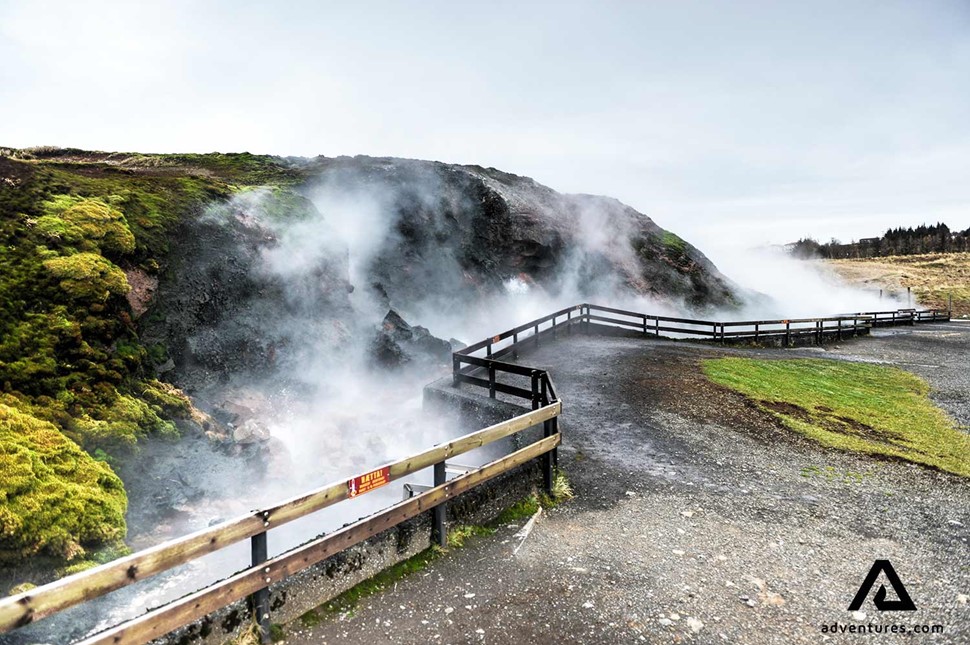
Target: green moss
{"points": [[458, 534], [88, 277], [521, 510], [861, 407], [54, 498], [348, 600], [90, 224]]}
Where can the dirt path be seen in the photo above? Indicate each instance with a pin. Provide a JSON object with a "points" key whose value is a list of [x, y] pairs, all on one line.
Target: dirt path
{"points": [[697, 519]]}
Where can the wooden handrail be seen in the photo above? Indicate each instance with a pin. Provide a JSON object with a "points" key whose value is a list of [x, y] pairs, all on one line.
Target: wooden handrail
{"points": [[159, 622], [26, 607]]}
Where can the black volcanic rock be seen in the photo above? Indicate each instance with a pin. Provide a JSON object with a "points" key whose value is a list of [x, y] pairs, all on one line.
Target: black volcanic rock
{"points": [[397, 343], [454, 233]]}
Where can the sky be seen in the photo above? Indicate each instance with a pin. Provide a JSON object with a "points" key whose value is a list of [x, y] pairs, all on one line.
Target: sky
{"points": [[732, 123]]}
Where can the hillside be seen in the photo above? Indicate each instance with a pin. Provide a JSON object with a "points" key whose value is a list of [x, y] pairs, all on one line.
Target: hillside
{"points": [[139, 293], [933, 277]]}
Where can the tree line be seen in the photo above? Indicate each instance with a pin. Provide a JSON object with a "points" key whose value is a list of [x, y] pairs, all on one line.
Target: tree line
{"points": [[937, 238]]}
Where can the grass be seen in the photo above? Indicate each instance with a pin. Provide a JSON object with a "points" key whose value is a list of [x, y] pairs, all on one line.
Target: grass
{"points": [[522, 510], [860, 407], [348, 600], [933, 277]]}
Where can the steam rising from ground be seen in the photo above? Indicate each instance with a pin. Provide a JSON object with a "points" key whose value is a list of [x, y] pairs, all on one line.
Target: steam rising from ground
{"points": [[785, 287], [331, 412]]}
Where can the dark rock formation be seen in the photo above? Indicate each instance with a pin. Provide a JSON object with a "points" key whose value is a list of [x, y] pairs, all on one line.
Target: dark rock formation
{"points": [[454, 233], [397, 343]]}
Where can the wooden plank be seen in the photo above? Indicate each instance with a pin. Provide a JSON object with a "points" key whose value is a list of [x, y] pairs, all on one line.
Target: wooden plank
{"points": [[160, 622], [37, 603]]}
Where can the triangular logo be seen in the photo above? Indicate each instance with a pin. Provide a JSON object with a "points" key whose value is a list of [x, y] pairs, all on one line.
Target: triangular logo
{"points": [[904, 602]]}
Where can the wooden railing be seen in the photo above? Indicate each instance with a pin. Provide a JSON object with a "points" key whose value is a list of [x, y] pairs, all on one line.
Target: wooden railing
{"points": [[481, 371], [35, 604]]}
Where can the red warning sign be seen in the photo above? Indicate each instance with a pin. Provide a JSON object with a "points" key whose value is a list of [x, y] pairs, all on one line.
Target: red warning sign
{"points": [[368, 481]]}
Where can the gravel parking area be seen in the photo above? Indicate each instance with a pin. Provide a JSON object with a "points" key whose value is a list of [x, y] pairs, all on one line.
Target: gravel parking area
{"points": [[698, 519]]}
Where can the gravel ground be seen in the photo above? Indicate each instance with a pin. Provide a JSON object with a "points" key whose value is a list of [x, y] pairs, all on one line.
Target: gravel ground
{"points": [[698, 519]]}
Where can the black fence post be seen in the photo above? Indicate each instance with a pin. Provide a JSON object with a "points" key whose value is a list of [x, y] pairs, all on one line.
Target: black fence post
{"points": [[491, 380], [455, 369], [438, 535], [787, 333], [515, 344], [260, 599], [569, 322], [546, 432], [535, 389]]}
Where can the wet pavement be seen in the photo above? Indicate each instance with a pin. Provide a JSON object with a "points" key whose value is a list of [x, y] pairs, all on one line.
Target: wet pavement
{"points": [[698, 519]]}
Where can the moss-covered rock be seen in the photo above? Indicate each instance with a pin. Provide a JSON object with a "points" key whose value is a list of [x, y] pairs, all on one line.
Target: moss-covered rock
{"points": [[90, 224], [88, 276], [54, 497]]}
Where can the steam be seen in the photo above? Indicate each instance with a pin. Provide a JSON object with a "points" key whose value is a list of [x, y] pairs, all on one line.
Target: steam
{"points": [[780, 286]]}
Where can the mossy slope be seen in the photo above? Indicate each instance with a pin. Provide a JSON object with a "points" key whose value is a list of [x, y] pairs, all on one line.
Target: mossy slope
{"points": [[74, 375]]}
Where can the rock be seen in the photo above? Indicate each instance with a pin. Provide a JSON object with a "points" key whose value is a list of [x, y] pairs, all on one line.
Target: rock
{"points": [[666, 622], [251, 431], [397, 343], [962, 598], [694, 624]]}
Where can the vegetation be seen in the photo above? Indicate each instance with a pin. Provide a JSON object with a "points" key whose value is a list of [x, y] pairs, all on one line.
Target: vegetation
{"points": [[934, 279], [895, 241], [73, 371], [54, 498], [348, 600], [851, 406]]}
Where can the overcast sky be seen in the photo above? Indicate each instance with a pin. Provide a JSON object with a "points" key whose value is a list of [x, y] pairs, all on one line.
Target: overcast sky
{"points": [[744, 122]]}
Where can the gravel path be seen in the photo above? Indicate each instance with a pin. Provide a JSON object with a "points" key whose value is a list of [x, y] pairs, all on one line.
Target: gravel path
{"points": [[698, 519]]}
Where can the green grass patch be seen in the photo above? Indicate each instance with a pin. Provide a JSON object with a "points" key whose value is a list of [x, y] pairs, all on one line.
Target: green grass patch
{"points": [[348, 600], [861, 407], [521, 510], [462, 532]]}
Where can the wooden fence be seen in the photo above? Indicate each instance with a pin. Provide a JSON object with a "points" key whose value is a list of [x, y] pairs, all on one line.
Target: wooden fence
{"points": [[35, 604], [532, 384], [484, 370]]}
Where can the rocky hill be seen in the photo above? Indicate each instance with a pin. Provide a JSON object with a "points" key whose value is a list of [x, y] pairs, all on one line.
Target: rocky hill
{"points": [[139, 292]]}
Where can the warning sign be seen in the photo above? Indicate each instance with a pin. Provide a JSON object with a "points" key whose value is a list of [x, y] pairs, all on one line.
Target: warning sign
{"points": [[368, 481]]}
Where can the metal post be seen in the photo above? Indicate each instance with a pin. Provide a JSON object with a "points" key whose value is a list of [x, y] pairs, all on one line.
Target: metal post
{"points": [[787, 333], [438, 535], [756, 332], [722, 333], [536, 334], [656, 326], [840, 329], [455, 369], [535, 389], [488, 349], [569, 322], [555, 332], [491, 380], [260, 599], [515, 345], [546, 432]]}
